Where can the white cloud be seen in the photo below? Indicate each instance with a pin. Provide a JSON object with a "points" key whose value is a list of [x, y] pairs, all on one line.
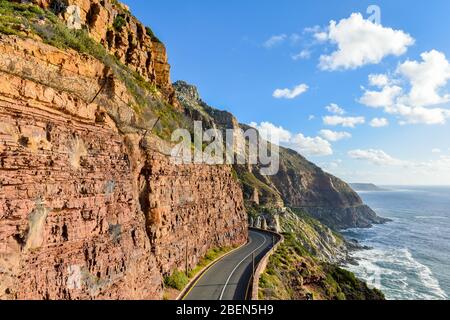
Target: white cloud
{"points": [[308, 146], [334, 135], [377, 157], [334, 108], [361, 42], [321, 36], [290, 94], [304, 54], [349, 122], [420, 104], [421, 115], [275, 40], [381, 99], [311, 117], [379, 80], [379, 122], [436, 150], [426, 79], [435, 172], [272, 133], [314, 29]]}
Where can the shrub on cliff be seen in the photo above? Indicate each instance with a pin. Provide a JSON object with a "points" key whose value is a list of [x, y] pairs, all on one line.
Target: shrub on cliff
{"points": [[119, 23], [177, 280]]}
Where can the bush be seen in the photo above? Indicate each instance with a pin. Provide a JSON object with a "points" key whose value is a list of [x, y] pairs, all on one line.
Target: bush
{"points": [[178, 280], [58, 6], [119, 23]]}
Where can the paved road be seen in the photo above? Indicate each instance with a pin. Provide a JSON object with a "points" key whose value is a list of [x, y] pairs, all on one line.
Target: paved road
{"points": [[229, 278]]}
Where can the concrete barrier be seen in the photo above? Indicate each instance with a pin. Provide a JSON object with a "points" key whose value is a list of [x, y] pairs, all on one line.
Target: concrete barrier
{"points": [[263, 263]]}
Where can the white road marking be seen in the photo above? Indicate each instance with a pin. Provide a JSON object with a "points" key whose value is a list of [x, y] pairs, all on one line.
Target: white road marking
{"points": [[237, 266]]}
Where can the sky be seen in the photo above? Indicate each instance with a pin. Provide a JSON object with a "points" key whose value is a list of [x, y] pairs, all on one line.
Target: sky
{"points": [[360, 88]]}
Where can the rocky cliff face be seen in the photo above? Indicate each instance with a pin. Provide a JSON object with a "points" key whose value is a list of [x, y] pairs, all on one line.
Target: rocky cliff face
{"points": [[298, 184], [91, 206], [111, 24]]}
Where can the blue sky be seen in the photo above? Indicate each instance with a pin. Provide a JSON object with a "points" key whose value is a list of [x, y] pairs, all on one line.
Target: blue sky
{"points": [[239, 53]]}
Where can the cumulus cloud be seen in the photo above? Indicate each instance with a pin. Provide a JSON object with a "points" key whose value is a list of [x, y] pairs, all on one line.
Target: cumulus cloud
{"points": [[271, 132], [348, 122], [422, 103], [308, 146], [377, 157], [334, 135], [275, 40], [361, 42], [334, 108], [381, 99], [426, 78], [379, 80], [436, 150], [290, 93], [379, 122]]}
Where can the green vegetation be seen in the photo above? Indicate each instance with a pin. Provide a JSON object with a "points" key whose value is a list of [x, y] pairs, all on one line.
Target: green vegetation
{"points": [[151, 34], [119, 22], [250, 182], [295, 272], [177, 280]]}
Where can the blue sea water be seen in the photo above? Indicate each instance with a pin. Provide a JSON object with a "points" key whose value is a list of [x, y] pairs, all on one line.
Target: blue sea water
{"points": [[409, 257]]}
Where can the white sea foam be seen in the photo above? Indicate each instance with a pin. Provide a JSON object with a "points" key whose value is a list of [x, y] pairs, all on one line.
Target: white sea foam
{"points": [[431, 217], [397, 273]]}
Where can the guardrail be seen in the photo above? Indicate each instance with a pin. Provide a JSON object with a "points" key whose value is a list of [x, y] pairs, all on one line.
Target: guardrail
{"points": [[263, 263]]}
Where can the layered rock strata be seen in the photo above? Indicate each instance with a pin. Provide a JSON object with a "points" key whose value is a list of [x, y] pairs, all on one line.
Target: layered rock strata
{"points": [[91, 208]]}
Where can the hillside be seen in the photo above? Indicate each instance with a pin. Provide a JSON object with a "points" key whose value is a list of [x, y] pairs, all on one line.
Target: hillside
{"points": [[306, 265]]}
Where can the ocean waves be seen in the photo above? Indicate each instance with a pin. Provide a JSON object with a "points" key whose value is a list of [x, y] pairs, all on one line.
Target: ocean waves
{"points": [[398, 274]]}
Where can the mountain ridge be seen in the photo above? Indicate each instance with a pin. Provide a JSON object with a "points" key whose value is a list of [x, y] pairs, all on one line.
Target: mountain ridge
{"points": [[298, 184]]}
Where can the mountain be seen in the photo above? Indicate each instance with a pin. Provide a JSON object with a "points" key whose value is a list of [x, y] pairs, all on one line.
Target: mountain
{"points": [[366, 187], [298, 184]]}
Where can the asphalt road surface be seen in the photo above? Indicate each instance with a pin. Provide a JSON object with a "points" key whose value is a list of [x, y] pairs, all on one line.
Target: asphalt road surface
{"points": [[229, 279]]}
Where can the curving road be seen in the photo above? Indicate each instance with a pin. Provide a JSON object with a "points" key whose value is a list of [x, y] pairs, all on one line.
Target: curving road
{"points": [[229, 278]]}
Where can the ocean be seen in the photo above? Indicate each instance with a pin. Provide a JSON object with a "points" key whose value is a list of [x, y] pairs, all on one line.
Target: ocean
{"points": [[409, 257]]}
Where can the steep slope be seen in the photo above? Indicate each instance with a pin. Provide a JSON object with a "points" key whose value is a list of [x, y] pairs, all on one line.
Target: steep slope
{"points": [[306, 265], [298, 184], [91, 205]]}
